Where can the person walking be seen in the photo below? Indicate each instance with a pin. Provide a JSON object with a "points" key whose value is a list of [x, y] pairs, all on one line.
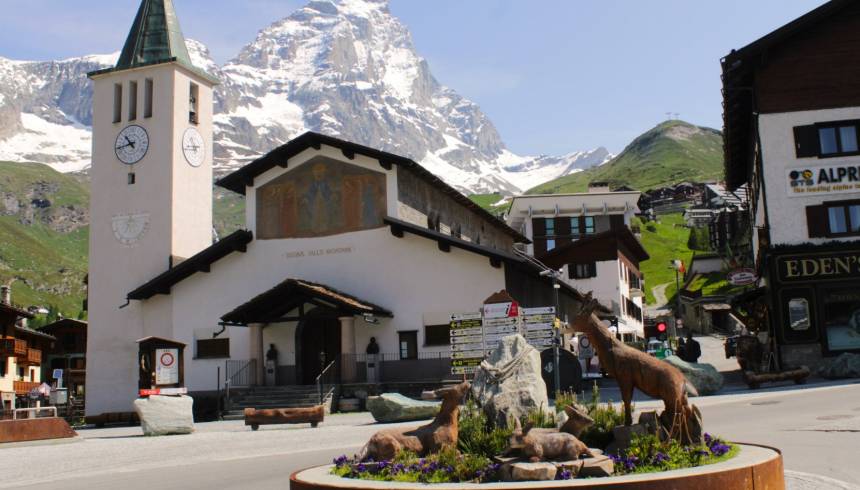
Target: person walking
{"points": [[692, 349]]}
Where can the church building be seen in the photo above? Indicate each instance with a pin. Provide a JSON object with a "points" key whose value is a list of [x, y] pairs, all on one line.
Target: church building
{"points": [[342, 243]]}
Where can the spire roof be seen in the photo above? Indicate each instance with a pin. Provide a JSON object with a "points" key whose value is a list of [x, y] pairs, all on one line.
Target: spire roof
{"points": [[155, 37]]}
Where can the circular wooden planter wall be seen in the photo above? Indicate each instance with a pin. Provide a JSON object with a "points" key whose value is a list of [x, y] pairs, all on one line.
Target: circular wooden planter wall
{"points": [[754, 468]]}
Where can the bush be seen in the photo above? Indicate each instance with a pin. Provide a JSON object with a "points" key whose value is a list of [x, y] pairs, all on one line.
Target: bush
{"points": [[478, 436], [605, 417], [647, 454], [563, 399]]}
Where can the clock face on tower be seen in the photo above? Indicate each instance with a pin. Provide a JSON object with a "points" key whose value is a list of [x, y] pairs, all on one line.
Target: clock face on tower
{"points": [[132, 144], [193, 147], [129, 228]]}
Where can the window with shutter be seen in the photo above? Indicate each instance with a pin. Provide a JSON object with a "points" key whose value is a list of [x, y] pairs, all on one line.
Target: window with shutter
{"points": [[816, 221]]}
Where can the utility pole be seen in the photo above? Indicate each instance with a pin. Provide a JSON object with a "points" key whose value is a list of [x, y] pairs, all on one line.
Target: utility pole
{"points": [[676, 264], [556, 339]]}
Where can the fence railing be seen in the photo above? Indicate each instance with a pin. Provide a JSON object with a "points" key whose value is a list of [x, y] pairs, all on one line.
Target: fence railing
{"points": [[241, 373], [326, 381]]}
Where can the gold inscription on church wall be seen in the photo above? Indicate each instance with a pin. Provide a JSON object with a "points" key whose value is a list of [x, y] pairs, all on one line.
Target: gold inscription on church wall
{"points": [[318, 252]]}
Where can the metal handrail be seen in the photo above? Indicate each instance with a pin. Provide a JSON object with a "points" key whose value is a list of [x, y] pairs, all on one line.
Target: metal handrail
{"points": [[319, 383], [36, 410]]}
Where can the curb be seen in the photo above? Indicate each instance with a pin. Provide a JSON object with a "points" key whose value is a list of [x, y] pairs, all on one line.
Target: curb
{"points": [[796, 480]]}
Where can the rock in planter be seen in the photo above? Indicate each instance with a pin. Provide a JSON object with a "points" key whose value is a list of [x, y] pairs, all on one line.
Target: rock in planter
{"points": [[704, 377], [533, 471], [163, 415], [847, 365], [598, 466], [623, 434], [508, 383], [394, 407], [573, 466]]}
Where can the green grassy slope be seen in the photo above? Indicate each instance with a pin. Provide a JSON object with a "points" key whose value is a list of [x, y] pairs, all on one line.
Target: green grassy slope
{"points": [[41, 255], [487, 201], [667, 242], [45, 265], [672, 152]]}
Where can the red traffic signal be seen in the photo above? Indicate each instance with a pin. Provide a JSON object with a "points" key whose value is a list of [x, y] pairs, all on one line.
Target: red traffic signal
{"points": [[661, 327]]}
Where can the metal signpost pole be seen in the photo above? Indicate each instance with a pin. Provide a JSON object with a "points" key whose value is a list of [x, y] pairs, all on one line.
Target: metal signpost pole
{"points": [[556, 337]]}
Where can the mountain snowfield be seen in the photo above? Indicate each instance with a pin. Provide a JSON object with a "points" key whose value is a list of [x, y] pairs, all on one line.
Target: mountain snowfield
{"points": [[347, 68]]}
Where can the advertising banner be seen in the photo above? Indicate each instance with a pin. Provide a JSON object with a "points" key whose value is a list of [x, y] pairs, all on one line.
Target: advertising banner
{"points": [[836, 178]]}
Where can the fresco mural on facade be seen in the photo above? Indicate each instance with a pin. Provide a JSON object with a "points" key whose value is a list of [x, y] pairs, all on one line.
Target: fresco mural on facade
{"points": [[321, 198]]}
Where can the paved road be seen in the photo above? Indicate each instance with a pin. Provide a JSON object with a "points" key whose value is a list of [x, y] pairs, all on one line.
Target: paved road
{"points": [[818, 429]]}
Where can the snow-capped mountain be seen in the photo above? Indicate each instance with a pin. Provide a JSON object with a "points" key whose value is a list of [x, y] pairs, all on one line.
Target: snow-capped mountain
{"points": [[347, 68]]}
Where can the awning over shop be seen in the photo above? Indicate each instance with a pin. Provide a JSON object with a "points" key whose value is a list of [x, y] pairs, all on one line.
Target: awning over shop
{"points": [[274, 304]]}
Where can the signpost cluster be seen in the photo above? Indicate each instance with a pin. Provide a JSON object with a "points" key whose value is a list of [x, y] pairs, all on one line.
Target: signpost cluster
{"points": [[475, 335]]}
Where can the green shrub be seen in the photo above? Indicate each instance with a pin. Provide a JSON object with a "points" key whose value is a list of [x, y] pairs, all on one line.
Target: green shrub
{"points": [[605, 417], [651, 226], [563, 399], [478, 436]]}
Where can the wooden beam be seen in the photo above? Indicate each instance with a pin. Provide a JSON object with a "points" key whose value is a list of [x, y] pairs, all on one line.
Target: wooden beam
{"points": [[386, 165], [397, 231], [204, 268], [316, 145], [348, 154], [248, 180], [242, 247], [495, 262], [444, 246], [284, 163]]}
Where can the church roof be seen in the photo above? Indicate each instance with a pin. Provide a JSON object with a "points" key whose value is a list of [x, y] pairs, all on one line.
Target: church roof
{"points": [[155, 37], [239, 179]]}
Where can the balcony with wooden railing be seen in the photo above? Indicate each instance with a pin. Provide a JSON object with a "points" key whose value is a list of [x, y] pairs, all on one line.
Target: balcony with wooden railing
{"points": [[24, 387], [20, 348], [34, 357]]}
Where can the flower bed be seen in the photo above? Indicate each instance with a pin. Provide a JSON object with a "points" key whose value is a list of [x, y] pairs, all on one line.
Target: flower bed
{"points": [[646, 455]]}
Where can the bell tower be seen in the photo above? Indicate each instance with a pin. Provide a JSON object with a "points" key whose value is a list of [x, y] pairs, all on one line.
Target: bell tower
{"points": [[151, 194]]}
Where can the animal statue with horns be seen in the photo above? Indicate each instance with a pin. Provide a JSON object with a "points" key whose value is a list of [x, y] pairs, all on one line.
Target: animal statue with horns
{"points": [[633, 368]]}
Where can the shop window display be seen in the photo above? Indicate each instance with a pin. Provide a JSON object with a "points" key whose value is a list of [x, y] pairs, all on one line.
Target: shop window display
{"points": [[842, 319], [798, 314]]}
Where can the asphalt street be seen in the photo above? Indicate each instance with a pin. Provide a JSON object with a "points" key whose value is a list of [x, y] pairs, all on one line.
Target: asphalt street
{"points": [[817, 428]]}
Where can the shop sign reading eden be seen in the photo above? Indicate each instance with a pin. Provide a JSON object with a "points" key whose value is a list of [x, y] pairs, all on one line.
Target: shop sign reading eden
{"points": [[816, 181], [833, 266]]}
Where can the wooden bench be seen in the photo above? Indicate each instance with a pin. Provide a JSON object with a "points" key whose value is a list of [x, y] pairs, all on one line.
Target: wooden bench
{"points": [[270, 416]]}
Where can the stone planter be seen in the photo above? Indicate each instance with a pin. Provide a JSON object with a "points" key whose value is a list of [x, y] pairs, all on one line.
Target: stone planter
{"points": [[754, 467]]}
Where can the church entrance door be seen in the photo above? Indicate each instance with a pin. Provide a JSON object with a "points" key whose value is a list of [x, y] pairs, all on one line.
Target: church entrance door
{"points": [[317, 344]]}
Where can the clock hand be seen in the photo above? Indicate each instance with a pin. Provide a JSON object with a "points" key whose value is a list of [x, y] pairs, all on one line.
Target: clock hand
{"points": [[123, 146], [130, 142]]}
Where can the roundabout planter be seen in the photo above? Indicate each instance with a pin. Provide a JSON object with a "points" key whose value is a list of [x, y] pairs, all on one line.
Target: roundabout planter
{"points": [[754, 468]]}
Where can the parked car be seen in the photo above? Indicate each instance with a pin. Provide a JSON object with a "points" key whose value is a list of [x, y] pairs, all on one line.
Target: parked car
{"points": [[659, 349]]}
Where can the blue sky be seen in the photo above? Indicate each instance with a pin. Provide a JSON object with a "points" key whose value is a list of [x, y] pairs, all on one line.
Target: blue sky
{"points": [[553, 75]]}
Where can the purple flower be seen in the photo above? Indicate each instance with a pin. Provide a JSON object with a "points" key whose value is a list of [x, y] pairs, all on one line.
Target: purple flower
{"points": [[361, 468], [708, 439], [660, 458], [340, 461], [564, 475], [449, 469]]}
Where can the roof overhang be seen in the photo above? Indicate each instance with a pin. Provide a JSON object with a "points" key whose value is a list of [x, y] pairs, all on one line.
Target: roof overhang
{"points": [[201, 262], [608, 243], [273, 305]]}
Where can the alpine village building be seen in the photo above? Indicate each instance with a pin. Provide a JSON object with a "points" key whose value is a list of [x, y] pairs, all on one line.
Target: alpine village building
{"points": [[587, 236], [342, 243], [791, 117]]}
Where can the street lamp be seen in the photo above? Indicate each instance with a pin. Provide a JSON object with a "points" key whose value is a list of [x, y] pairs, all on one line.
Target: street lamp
{"points": [[556, 341]]}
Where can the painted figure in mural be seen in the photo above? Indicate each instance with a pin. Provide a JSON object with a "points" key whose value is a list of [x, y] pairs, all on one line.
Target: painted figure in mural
{"points": [[319, 203]]}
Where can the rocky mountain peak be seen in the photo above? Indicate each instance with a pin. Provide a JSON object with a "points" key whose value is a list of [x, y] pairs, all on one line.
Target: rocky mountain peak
{"points": [[347, 68]]}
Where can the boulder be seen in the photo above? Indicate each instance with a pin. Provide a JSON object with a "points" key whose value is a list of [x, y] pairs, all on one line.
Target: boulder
{"points": [[598, 466], [509, 383], [163, 415], [704, 377], [533, 471], [573, 466], [394, 407], [845, 366], [623, 434]]}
